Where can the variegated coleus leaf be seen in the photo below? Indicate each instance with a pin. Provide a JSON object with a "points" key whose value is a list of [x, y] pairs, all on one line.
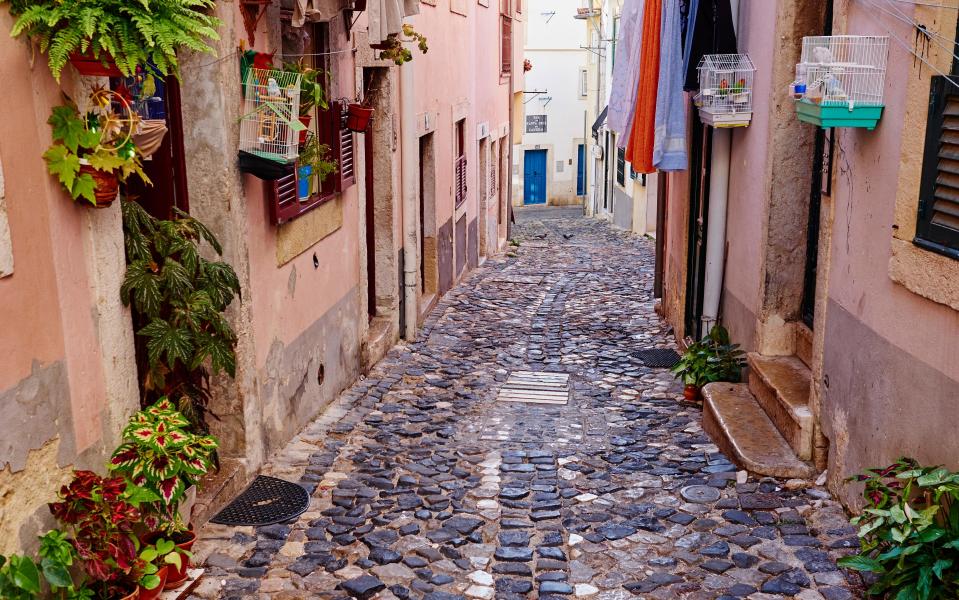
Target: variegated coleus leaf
{"points": [[124, 457], [161, 467], [171, 489]]}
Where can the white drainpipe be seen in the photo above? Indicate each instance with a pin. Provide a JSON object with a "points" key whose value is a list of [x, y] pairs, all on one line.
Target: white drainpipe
{"points": [[409, 158], [718, 202]]}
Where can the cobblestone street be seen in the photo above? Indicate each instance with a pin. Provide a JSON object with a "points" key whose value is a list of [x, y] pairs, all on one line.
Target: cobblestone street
{"points": [[425, 485]]}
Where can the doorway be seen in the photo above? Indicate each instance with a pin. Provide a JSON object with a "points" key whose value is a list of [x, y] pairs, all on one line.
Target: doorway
{"points": [[534, 177], [427, 258], [701, 143], [581, 170]]}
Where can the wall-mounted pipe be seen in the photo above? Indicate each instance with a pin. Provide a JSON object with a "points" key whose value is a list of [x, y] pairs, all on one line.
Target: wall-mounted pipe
{"points": [[409, 154]]}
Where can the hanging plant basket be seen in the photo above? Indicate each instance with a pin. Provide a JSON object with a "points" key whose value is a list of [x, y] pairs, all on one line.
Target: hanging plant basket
{"points": [[358, 118], [107, 186], [90, 66]]}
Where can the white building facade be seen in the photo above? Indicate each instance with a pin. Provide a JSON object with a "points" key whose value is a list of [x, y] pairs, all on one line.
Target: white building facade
{"points": [[551, 165]]}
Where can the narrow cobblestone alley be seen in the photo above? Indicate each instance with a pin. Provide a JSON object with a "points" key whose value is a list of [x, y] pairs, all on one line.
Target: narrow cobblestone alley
{"points": [[425, 485]]}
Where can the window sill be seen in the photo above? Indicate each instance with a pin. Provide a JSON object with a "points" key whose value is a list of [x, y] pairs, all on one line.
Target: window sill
{"points": [[925, 273]]}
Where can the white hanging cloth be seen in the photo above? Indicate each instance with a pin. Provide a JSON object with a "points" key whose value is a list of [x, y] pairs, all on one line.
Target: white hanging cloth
{"points": [[386, 17], [315, 11], [625, 83]]}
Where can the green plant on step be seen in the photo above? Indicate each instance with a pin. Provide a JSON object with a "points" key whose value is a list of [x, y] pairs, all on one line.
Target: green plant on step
{"points": [[317, 155], [153, 557], [178, 299], [396, 51], [141, 32], [312, 93], [909, 532], [161, 455], [714, 358]]}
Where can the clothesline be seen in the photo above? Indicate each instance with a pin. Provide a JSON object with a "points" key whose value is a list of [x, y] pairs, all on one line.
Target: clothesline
{"points": [[236, 53]]}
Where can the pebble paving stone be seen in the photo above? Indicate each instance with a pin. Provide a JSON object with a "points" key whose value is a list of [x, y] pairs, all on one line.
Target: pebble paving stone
{"points": [[425, 486]]}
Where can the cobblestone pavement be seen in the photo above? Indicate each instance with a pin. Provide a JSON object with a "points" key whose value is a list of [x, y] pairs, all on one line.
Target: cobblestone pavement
{"points": [[424, 485]]}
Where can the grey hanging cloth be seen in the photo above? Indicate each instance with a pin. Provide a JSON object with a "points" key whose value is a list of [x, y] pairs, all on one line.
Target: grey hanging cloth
{"points": [[709, 30]]}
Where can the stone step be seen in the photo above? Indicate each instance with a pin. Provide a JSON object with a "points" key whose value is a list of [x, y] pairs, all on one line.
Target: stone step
{"points": [[804, 337], [743, 431], [781, 385]]}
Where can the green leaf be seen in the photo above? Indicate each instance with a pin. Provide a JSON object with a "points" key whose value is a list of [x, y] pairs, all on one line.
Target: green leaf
{"points": [[861, 563], [67, 126], [63, 164], [106, 161], [165, 339], [84, 187], [940, 566], [56, 573], [25, 574], [137, 495], [150, 581]]}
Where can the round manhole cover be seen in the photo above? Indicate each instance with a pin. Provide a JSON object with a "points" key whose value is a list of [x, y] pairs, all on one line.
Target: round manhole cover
{"points": [[700, 494]]}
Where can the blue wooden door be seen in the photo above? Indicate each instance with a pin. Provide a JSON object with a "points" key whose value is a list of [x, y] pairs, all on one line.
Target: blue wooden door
{"points": [[581, 170], [534, 188]]}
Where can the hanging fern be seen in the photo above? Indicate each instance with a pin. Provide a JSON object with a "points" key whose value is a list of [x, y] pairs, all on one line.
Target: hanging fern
{"points": [[178, 300], [132, 32]]}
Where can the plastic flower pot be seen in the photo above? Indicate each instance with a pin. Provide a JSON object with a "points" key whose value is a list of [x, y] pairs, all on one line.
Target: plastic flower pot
{"points": [[153, 594], [691, 392], [107, 186], [303, 175], [305, 119], [86, 64], [358, 118]]}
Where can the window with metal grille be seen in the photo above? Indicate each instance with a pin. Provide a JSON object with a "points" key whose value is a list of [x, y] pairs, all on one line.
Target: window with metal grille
{"points": [[621, 166], [506, 46], [459, 165], [311, 44], [937, 226]]}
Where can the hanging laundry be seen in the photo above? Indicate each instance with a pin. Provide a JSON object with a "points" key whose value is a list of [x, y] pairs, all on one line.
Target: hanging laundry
{"points": [[669, 149], [625, 81], [639, 149], [709, 31]]}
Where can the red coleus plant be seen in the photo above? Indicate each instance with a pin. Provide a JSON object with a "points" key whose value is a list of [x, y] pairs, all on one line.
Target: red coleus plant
{"points": [[160, 455], [101, 517]]}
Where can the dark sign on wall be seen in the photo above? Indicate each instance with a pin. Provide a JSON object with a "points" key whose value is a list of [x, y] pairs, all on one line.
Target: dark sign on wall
{"points": [[535, 123]]}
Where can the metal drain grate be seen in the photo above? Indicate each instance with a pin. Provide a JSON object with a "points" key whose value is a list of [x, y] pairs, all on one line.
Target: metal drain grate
{"points": [[664, 358], [268, 500], [535, 388]]}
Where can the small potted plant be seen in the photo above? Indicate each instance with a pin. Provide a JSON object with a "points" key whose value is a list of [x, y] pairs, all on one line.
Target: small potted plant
{"points": [[312, 93], [711, 359], [113, 38], [392, 47], [527, 65], [158, 560], [160, 455], [94, 151], [101, 516], [313, 162]]}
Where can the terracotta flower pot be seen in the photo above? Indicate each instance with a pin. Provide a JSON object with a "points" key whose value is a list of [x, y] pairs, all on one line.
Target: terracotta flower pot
{"points": [[134, 595], [305, 119], [176, 577], [691, 393], [107, 185], [86, 64], [358, 117], [153, 594]]}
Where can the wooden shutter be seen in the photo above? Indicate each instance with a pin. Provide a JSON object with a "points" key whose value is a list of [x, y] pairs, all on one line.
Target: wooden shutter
{"points": [[346, 176], [507, 45], [282, 199], [937, 227], [460, 180]]}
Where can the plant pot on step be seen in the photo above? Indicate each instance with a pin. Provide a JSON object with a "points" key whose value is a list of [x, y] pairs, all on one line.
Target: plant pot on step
{"points": [[86, 64], [304, 173], [691, 392], [107, 186], [154, 593], [305, 119], [358, 118], [134, 595], [176, 577]]}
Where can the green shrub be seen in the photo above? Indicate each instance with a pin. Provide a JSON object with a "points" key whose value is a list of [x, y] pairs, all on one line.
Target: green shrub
{"points": [[909, 532], [713, 358]]}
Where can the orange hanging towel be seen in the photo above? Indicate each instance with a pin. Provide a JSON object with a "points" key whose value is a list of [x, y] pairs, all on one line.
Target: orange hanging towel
{"points": [[639, 149]]}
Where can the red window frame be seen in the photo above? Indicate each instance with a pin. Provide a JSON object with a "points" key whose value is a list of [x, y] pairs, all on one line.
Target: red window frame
{"points": [[459, 165], [506, 45]]}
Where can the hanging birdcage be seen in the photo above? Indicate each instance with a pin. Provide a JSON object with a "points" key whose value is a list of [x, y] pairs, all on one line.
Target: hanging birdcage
{"points": [[270, 124], [840, 80], [725, 97]]}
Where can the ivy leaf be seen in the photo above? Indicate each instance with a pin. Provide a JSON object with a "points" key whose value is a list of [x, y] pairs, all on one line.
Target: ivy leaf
{"points": [[62, 163]]}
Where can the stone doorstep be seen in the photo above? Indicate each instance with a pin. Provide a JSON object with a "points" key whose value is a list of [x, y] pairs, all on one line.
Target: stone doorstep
{"points": [[743, 431], [804, 344], [781, 386], [219, 489]]}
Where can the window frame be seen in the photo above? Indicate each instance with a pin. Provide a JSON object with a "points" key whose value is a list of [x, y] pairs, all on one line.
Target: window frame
{"points": [[459, 163], [506, 44], [929, 235], [620, 167]]}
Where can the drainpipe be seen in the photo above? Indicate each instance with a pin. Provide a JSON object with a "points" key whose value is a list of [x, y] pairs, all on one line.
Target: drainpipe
{"points": [[408, 157], [718, 203], [509, 151]]}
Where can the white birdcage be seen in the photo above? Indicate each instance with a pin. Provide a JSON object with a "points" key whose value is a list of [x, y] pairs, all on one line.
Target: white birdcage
{"points": [[725, 97], [270, 124], [840, 80]]}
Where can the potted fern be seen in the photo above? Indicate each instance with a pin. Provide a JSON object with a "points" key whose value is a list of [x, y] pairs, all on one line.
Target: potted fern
{"points": [[112, 37], [93, 152], [713, 358]]}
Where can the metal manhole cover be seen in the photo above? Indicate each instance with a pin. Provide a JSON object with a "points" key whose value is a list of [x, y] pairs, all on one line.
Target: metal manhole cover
{"points": [[535, 388], [268, 500], [664, 358], [700, 494]]}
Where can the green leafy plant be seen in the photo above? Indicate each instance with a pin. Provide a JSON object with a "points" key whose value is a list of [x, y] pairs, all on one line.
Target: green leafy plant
{"points": [[141, 32], [396, 51], [159, 454], [20, 576], [713, 358], [317, 156], [178, 300], [312, 93], [99, 138], [909, 531], [154, 556]]}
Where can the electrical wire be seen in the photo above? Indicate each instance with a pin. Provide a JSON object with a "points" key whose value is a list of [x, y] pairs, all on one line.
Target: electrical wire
{"points": [[236, 53]]}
